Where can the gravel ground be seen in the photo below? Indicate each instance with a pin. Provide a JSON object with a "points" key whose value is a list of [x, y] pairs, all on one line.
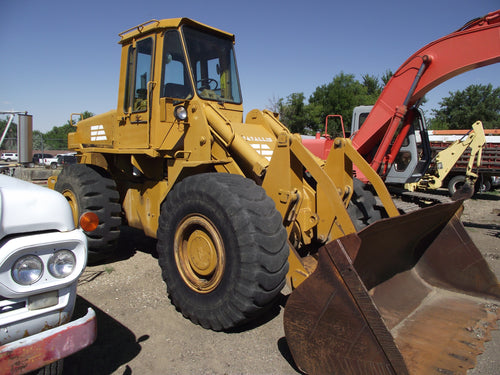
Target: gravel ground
{"points": [[140, 332]]}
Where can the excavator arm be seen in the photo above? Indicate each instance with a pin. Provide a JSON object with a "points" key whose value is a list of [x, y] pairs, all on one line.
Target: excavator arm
{"points": [[446, 159], [475, 45]]}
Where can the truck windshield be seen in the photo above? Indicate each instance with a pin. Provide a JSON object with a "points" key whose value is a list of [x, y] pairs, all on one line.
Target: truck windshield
{"points": [[213, 66]]}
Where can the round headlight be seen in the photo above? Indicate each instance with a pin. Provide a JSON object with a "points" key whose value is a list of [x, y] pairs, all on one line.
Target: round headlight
{"points": [[180, 113], [62, 263], [27, 270]]}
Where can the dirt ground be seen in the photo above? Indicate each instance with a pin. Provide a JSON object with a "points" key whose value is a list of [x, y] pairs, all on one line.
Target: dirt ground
{"points": [[140, 332]]}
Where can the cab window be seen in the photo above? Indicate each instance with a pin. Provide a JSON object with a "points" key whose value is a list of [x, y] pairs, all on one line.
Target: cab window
{"points": [[175, 78], [213, 65], [140, 60]]}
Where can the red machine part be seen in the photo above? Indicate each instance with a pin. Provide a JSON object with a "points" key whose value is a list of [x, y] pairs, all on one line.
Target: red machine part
{"points": [[475, 45], [321, 146], [39, 350]]}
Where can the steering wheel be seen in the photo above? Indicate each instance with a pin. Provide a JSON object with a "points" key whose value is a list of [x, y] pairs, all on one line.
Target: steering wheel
{"points": [[206, 83]]}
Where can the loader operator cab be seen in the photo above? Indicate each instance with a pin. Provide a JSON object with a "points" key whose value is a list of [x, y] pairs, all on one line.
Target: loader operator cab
{"points": [[175, 77], [138, 75], [211, 63]]}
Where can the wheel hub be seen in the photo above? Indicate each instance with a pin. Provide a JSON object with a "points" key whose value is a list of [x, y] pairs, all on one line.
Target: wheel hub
{"points": [[199, 253]]}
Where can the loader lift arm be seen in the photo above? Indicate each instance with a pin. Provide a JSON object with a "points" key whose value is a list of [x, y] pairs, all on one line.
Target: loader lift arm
{"points": [[231, 201], [475, 45]]}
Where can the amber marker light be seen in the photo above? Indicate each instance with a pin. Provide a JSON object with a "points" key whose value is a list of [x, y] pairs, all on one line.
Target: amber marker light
{"points": [[89, 221]]}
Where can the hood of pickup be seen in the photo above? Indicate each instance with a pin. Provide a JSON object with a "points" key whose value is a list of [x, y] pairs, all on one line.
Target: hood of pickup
{"points": [[28, 208]]}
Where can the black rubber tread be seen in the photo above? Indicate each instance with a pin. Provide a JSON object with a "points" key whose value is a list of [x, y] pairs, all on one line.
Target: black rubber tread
{"points": [[95, 191], [402, 206], [54, 368], [408, 201], [456, 183], [255, 244], [362, 207], [484, 185]]}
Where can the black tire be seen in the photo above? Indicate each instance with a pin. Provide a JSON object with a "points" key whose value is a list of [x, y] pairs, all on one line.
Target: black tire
{"points": [[241, 264], [53, 165], [89, 188], [455, 184], [483, 185], [55, 368], [362, 207]]}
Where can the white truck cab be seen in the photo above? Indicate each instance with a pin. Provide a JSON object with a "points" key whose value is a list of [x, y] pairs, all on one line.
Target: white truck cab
{"points": [[42, 255]]}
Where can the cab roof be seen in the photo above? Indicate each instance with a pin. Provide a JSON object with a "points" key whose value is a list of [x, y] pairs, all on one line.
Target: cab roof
{"points": [[154, 25]]}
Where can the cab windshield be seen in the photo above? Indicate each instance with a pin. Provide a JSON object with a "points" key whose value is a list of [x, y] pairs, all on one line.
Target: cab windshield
{"points": [[213, 66]]}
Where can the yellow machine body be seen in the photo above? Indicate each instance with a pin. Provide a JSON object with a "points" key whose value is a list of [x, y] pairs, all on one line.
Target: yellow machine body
{"points": [[179, 114]]}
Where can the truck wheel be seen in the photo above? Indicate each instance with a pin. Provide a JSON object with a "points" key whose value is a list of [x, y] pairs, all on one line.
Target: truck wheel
{"points": [[484, 185], [222, 249], [88, 188], [361, 208], [53, 165], [455, 184]]}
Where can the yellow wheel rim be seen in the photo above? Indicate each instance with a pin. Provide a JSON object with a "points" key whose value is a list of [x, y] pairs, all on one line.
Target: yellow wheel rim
{"points": [[73, 203], [199, 253]]}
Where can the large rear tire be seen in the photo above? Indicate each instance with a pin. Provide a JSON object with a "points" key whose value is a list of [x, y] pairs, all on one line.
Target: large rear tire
{"points": [[222, 249], [88, 188]]}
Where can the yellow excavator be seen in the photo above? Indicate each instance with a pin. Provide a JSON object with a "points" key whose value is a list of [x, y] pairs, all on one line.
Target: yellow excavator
{"points": [[241, 208]]}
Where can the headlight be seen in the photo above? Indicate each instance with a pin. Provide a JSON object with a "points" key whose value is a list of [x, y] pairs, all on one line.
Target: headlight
{"points": [[62, 263], [27, 270], [180, 113]]}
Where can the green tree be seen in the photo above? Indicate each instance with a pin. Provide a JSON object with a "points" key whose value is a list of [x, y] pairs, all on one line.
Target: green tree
{"points": [[386, 76], [372, 84], [38, 143], [10, 140], [57, 137], [341, 96], [337, 97], [293, 112], [462, 108]]}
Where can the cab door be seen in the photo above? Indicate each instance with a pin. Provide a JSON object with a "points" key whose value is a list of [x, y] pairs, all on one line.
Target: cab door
{"points": [[175, 88], [414, 156], [133, 129]]}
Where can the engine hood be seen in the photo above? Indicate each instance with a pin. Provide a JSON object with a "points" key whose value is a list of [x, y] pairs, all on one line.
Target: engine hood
{"points": [[26, 208]]}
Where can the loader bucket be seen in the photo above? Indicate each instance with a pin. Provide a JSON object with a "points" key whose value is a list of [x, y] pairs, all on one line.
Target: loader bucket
{"points": [[409, 294]]}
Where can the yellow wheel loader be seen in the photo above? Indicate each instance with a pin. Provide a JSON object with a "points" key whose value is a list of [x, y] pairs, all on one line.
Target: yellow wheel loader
{"points": [[241, 208]]}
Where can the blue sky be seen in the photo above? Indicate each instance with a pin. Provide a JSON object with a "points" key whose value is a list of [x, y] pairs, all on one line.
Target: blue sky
{"points": [[59, 57]]}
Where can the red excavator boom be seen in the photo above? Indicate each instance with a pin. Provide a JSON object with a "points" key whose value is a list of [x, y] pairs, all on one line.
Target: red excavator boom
{"points": [[475, 45]]}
